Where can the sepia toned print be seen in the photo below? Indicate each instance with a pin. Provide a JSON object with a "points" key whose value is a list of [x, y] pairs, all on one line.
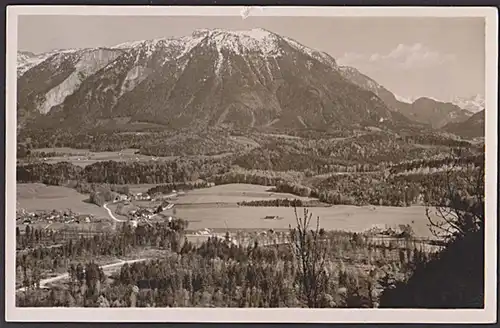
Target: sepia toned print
{"points": [[252, 161]]}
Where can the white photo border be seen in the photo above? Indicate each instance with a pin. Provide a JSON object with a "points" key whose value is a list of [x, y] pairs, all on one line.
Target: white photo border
{"points": [[292, 315]]}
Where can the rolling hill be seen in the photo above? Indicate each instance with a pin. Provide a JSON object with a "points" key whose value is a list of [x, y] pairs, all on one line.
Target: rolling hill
{"points": [[472, 128]]}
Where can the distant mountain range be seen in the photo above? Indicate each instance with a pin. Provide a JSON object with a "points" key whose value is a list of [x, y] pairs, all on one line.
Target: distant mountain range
{"points": [[474, 127], [473, 104], [253, 78], [423, 110]]}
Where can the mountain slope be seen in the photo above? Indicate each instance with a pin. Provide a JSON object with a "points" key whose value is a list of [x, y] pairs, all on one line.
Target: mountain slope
{"points": [[211, 78], [423, 110], [471, 128], [435, 113], [367, 83], [26, 60], [49, 83]]}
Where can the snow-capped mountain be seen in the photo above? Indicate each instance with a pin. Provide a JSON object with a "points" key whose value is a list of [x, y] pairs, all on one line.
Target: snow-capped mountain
{"points": [[407, 100], [473, 104], [214, 77]]}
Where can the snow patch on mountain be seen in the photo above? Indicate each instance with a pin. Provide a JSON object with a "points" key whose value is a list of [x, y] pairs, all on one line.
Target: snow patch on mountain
{"points": [[473, 104], [256, 41], [404, 99], [242, 41], [26, 61]]}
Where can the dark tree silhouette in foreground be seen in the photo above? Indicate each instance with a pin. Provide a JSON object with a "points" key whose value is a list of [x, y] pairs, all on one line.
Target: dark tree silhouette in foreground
{"points": [[310, 254], [455, 277]]}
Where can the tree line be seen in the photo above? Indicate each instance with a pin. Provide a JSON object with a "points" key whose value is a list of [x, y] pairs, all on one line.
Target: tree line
{"points": [[113, 172], [274, 203]]}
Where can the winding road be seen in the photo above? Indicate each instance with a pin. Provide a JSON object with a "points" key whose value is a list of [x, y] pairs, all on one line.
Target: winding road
{"points": [[111, 215], [106, 267]]}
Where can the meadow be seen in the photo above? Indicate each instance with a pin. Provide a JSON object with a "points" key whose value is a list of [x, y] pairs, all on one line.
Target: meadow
{"points": [[84, 157], [199, 207], [40, 197], [234, 193], [342, 217]]}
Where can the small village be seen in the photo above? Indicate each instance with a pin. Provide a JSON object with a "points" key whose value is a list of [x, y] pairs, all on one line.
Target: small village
{"points": [[24, 217], [136, 215]]}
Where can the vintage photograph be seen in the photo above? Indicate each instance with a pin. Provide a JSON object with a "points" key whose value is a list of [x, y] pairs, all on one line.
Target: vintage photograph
{"points": [[251, 160]]}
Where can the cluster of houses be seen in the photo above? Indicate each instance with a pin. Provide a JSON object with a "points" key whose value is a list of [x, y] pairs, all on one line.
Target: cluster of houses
{"points": [[145, 214], [141, 196], [49, 217], [145, 197], [203, 232], [141, 213]]}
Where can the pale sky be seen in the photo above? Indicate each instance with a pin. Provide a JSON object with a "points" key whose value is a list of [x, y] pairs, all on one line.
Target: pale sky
{"points": [[412, 57]]}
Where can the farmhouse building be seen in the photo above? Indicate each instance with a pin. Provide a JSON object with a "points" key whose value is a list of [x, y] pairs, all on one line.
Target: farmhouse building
{"points": [[120, 197], [141, 196], [83, 218]]}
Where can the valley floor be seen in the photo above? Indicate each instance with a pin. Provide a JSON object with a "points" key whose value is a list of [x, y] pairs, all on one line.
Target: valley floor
{"points": [[217, 208]]}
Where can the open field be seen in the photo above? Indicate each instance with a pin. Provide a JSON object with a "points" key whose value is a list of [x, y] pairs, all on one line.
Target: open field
{"points": [[198, 207], [84, 157], [340, 217], [143, 187], [350, 218], [40, 197], [233, 193]]}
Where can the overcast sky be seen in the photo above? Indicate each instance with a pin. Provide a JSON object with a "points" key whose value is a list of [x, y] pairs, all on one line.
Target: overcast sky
{"points": [[434, 57]]}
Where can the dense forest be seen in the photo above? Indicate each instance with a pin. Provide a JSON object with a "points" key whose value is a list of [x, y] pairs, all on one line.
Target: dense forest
{"points": [[113, 172], [214, 273], [254, 149], [402, 184]]}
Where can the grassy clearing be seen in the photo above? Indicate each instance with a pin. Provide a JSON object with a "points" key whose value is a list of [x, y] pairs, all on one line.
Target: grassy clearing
{"points": [[340, 217], [203, 213], [40, 197], [84, 157], [349, 218], [234, 193]]}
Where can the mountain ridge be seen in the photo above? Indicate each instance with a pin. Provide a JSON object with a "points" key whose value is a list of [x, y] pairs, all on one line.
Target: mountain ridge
{"points": [[213, 77]]}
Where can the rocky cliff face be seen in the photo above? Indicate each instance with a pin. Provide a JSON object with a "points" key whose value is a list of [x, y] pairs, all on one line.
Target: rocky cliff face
{"points": [[49, 83]]}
